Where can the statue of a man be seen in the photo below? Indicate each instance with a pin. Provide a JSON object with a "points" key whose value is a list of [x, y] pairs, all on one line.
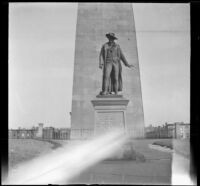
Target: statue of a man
{"points": [[109, 59]]}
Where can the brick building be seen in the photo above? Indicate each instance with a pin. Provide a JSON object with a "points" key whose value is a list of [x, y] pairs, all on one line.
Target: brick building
{"points": [[22, 133], [40, 132], [178, 130], [48, 133]]}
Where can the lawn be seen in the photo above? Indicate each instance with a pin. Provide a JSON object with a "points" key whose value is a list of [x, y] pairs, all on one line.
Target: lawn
{"points": [[181, 146], [138, 169], [21, 150], [155, 168]]}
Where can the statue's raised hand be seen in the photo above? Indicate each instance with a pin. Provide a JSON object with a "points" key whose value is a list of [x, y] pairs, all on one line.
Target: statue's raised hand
{"points": [[101, 66], [131, 66]]}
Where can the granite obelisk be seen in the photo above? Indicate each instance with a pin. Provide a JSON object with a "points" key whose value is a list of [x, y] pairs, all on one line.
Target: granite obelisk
{"points": [[94, 20]]}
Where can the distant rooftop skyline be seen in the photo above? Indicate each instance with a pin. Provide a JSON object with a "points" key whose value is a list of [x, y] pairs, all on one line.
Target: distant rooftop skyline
{"points": [[147, 125]]}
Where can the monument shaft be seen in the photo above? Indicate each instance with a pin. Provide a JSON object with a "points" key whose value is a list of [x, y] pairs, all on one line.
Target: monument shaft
{"points": [[93, 22]]}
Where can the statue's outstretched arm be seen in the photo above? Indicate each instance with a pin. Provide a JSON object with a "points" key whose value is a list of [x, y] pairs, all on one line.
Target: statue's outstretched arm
{"points": [[122, 57]]}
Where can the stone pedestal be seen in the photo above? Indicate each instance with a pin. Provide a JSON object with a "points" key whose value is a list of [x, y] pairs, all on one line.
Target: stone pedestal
{"points": [[110, 113]]}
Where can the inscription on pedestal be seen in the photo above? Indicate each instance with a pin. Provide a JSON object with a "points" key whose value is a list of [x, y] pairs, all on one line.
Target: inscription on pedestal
{"points": [[107, 120]]}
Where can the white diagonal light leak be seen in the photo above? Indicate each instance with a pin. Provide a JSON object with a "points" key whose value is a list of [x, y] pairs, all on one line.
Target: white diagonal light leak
{"points": [[180, 167], [181, 170], [65, 163]]}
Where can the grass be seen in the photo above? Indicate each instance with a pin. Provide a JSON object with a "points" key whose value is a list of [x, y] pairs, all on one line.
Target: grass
{"points": [[128, 171], [181, 146], [21, 150], [138, 164]]}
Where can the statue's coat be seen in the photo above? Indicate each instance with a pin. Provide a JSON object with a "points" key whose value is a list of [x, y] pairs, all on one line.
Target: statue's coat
{"points": [[120, 57]]}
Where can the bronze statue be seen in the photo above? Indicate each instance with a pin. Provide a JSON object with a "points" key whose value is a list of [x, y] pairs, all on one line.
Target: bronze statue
{"points": [[109, 59]]}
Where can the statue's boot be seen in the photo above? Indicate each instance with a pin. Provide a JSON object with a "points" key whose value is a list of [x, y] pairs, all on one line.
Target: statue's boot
{"points": [[104, 93]]}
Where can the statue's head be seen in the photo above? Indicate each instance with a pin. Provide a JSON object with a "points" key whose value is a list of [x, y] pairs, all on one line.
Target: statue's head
{"points": [[111, 36]]}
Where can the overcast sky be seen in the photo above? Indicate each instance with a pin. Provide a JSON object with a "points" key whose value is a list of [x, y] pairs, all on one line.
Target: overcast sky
{"points": [[41, 57]]}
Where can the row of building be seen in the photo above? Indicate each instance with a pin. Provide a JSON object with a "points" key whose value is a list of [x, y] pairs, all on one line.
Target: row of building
{"points": [[40, 132], [177, 130], [169, 130]]}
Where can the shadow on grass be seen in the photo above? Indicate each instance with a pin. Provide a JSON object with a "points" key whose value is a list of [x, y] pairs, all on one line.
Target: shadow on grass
{"points": [[55, 144], [166, 143], [127, 152]]}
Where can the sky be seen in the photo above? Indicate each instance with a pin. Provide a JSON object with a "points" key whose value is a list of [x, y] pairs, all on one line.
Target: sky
{"points": [[41, 61]]}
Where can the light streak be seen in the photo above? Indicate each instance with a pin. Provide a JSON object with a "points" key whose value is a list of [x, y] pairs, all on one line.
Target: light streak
{"points": [[180, 167], [181, 170], [63, 164]]}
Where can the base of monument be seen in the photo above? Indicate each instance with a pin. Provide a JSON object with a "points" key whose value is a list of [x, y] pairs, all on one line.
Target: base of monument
{"points": [[81, 134], [110, 113], [110, 96]]}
